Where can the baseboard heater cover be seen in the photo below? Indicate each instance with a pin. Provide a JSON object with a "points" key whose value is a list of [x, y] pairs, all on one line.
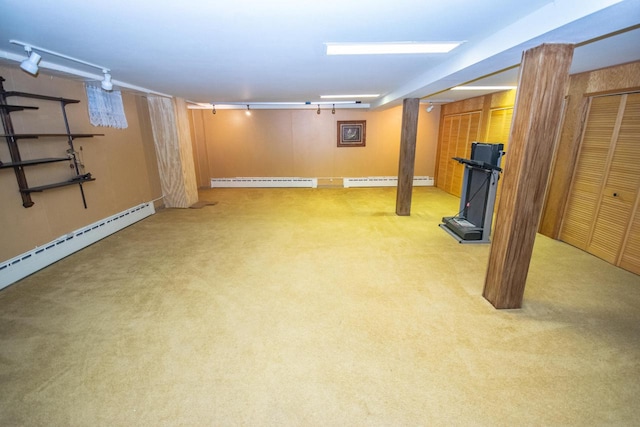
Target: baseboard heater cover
{"points": [[266, 182], [42, 256], [385, 181]]}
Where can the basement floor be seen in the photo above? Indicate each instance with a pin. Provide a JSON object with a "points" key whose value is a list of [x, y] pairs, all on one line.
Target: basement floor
{"points": [[315, 307]]}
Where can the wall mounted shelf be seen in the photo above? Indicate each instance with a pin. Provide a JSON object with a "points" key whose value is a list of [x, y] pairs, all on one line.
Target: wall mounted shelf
{"points": [[18, 164]]}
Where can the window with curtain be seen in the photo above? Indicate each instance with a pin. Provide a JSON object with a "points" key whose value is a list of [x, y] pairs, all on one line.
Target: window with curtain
{"points": [[106, 108]]}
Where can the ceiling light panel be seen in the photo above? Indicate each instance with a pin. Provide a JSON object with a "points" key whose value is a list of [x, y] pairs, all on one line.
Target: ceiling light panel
{"points": [[371, 95], [483, 87], [390, 48]]}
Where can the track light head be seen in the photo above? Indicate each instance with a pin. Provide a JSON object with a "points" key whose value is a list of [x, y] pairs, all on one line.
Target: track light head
{"points": [[333, 109], [107, 84], [30, 65], [248, 112], [213, 109], [318, 112], [430, 107]]}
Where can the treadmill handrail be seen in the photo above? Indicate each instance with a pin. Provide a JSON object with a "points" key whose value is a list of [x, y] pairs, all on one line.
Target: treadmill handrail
{"points": [[478, 164]]}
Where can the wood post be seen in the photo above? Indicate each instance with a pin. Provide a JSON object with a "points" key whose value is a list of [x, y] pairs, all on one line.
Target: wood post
{"points": [[543, 83], [410, 109]]}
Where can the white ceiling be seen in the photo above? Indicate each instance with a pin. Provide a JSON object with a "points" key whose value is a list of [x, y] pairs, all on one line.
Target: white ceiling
{"points": [[274, 51]]}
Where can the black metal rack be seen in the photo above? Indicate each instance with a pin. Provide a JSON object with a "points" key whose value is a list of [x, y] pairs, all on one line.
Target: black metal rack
{"points": [[12, 138]]}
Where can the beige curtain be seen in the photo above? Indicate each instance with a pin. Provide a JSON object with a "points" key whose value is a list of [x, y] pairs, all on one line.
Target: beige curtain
{"points": [[172, 137]]}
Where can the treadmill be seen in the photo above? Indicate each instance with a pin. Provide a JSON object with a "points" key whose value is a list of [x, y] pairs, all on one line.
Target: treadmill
{"points": [[472, 224]]}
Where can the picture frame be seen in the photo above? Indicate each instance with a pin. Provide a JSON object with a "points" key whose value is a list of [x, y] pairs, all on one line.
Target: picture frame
{"points": [[352, 133]]}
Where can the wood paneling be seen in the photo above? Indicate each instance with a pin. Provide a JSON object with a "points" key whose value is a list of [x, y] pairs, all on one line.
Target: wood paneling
{"points": [[542, 86]]}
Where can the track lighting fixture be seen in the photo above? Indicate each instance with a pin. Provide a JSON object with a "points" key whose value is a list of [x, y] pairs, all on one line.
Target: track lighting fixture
{"points": [[430, 107], [30, 65], [318, 106]]}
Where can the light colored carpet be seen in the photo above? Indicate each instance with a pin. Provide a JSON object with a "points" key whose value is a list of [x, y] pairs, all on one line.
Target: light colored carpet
{"points": [[315, 307]]}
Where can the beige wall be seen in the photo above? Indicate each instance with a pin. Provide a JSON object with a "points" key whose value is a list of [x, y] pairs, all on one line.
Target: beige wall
{"points": [[302, 143], [123, 162]]}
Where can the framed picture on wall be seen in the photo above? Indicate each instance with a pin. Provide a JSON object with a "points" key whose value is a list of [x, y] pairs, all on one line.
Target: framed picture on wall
{"points": [[352, 133]]}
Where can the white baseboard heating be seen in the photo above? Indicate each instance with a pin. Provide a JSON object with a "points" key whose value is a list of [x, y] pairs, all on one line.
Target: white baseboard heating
{"points": [[266, 182], [280, 182], [29, 262], [386, 181]]}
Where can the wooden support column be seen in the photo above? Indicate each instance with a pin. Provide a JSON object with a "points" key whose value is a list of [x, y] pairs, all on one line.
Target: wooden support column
{"points": [[543, 83], [408, 137]]}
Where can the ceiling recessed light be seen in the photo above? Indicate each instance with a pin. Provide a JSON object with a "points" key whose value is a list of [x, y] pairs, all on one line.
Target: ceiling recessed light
{"points": [[390, 48], [370, 95], [483, 87]]}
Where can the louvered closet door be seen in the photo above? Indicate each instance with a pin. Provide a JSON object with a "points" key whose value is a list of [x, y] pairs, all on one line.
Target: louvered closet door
{"points": [[602, 211], [590, 171], [619, 192], [627, 172], [461, 151], [453, 147], [499, 125], [443, 161], [458, 132], [498, 131]]}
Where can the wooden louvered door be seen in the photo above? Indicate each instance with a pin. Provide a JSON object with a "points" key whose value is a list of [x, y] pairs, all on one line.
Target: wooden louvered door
{"points": [[458, 132], [601, 216], [498, 131], [628, 172]]}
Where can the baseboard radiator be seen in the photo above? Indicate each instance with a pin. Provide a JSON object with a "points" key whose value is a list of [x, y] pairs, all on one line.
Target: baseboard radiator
{"points": [[275, 182], [29, 262], [386, 181], [266, 182]]}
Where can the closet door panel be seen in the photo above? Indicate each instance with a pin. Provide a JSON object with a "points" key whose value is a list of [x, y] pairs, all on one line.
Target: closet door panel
{"points": [[591, 167], [627, 179], [444, 152], [453, 147], [461, 151], [458, 132]]}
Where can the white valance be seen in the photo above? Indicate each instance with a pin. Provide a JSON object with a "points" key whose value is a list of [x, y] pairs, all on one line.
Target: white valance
{"points": [[105, 108]]}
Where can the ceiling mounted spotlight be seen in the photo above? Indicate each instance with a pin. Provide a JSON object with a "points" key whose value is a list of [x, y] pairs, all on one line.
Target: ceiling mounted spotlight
{"points": [[248, 112], [30, 65], [213, 110], [430, 107], [318, 112], [107, 84], [333, 109]]}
